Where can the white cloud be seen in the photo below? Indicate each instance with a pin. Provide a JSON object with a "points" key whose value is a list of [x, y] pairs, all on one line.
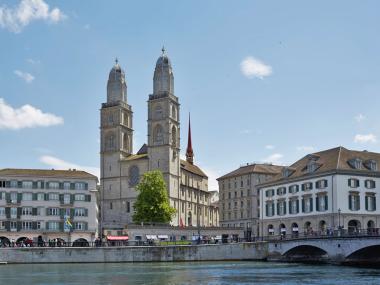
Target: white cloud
{"points": [[359, 118], [60, 164], [33, 61], [27, 77], [370, 138], [26, 116], [274, 158], [252, 67], [305, 148], [16, 18], [269, 146]]}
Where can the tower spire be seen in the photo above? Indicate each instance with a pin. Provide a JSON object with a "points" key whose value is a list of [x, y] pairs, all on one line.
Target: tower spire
{"points": [[189, 150]]}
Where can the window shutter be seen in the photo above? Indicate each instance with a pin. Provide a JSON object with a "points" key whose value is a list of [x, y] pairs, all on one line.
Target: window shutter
{"points": [[284, 207], [19, 212], [34, 225], [266, 210], [61, 198], [311, 204], [47, 224], [357, 183], [47, 212], [72, 198], [278, 208], [19, 226], [34, 184], [311, 186], [86, 186], [88, 198], [86, 212], [8, 197], [19, 184], [317, 184], [326, 202], [8, 212], [34, 196], [62, 212], [303, 205], [303, 187], [42, 184], [61, 226], [8, 184], [46, 197], [358, 198], [72, 186], [366, 203], [290, 208], [374, 203], [349, 182], [60, 185], [278, 191], [298, 206], [19, 197], [86, 226], [317, 204], [34, 211], [350, 202], [8, 225]]}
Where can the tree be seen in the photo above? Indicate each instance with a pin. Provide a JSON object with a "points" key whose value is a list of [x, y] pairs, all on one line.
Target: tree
{"points": [[152, 204]]}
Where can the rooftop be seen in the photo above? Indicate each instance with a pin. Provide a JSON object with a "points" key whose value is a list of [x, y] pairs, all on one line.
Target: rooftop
{"points": [[262, 168], [71, 173]]}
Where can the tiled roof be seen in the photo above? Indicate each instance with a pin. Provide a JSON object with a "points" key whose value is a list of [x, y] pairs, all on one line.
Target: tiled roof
{"points": [[253, 168], [192, 168], [46, 173], [335, 159]]}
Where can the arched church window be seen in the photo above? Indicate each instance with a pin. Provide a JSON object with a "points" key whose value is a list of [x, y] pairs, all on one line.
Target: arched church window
{"points": [[158, 135], [174, 113], [174, 136], [125, 142], [158, 112], [134, 175], [110, 142]]}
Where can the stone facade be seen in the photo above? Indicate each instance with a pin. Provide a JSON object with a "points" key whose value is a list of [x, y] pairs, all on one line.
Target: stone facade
{"points": [[121, 169], [44, 203]]}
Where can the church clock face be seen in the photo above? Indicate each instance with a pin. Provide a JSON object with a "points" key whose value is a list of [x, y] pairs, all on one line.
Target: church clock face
{"points": [[134, 176]]}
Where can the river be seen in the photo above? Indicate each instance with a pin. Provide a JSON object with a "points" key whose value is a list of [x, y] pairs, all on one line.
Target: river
{"points": [[186, 273]]}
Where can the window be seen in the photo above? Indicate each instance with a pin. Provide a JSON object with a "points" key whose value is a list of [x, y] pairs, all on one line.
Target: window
{"points": [[27, 184], [307, 186], [370, 202], [66, 199], [53, 185], [13, 226], [53, 225], [269, 193], [235, 194], [229, 195], [111, 206], [370, 184], [80, 212], [307, 204], [281, 208], [13, 213], [371, 164], [14, 197], [80, 226], [80, 186], [38, 225], [3, 183], [128, 207], [229, 205], [354, 201], [281, 191], [269, 209], [53, 196], [355, 163], [293, 206], [40, 211], [80, 197], [27, 196], [353, 183], [293, 189], [158, 134], [241, 183], [14, 184], [27, 211], [2, 211], [66, 185], [241, 204], [26, 225], [2, 225], [320, 184], [53, 211], [321, 202], [40, 196]]}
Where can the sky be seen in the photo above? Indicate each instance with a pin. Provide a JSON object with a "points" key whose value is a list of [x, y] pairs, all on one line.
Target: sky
{"points": [[264, 81]]}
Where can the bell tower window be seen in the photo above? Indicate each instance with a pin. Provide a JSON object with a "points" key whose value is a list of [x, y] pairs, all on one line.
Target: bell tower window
{"points": [[158, 135], [174, 136]]}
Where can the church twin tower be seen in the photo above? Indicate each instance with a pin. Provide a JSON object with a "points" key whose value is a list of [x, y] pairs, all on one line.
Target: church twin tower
{"points": [[120, 168]]}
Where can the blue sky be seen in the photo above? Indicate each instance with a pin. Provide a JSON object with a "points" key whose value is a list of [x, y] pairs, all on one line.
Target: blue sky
{"points": [[263, 80]]}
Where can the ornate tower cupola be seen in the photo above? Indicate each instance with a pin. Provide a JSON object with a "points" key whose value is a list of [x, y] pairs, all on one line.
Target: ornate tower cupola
{"points": [[163, 80], [116, 85], [189, 149]]}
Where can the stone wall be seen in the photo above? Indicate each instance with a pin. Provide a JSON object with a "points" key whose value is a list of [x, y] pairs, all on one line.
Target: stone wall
{"points": [[235, 251]]}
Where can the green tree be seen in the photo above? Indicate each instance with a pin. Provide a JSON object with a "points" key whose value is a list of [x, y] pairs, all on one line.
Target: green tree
{"points": [[152, 204]]}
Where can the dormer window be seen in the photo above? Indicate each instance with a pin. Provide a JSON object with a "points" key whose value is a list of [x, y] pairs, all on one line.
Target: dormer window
{"points": [[371, 164], [355, 163], [286, 172]]}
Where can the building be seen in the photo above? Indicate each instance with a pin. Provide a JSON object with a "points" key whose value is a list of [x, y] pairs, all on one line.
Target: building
{"points": [[35, 202], [323, 191], [121, 168], [238, 196]]}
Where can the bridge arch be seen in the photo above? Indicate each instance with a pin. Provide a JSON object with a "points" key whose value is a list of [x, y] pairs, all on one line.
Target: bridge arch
{"points": [[366, 255], [306, 253]]}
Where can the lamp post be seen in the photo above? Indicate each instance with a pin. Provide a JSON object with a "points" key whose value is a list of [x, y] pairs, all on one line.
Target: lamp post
{"points": [[339, 218]]}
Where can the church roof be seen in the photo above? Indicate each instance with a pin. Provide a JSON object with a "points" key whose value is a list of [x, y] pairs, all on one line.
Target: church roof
{"points": [[262, 168], [192, 168], [136, 156], [47, 173], [143, 149]]}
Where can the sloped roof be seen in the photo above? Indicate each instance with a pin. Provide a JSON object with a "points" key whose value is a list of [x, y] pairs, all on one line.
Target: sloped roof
{"points": [[47, 173], [335, 159], [143, 149], [192, 168], [135, 156], [263, 168]]}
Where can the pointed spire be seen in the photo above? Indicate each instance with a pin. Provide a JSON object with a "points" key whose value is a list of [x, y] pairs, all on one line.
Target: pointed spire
{"points": [[189, 150], [163, 50], [116, 61]]}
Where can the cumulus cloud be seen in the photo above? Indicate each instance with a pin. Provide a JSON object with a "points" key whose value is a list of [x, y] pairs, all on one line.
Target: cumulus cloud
{"points": [[269, 146], [305, 148], [359, 118], [27, 77], [370, 138], [26, 116], [252, 67], [274, 158], [60, 164], [16, 18]]}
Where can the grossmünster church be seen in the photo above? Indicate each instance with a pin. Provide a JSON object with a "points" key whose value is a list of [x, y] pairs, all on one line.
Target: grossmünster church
{"points": [[122, 168]]}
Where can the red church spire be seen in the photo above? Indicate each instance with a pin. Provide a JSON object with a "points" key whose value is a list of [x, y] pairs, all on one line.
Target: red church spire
{"points": [[189, 150]]}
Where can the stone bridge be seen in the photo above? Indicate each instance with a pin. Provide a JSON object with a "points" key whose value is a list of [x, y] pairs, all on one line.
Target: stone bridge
{"points": [[339, 250]]}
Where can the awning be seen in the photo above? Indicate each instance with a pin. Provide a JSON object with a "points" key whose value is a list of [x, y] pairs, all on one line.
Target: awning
{"points": [[295, 229], [218, 237], [120, 238], [151, 237], [283, 230], [163, 236], [271, 230]]}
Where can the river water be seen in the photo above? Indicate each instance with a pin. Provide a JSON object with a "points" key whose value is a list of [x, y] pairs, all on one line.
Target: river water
{"points": [[186, 273]]}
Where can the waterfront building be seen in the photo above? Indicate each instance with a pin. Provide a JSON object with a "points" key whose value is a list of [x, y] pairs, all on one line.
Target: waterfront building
{"points": [[238, 196], [121, 168], [321, 192], [54, 204]]}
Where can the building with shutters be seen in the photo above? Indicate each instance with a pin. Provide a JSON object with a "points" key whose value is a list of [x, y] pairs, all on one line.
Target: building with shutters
{"points": [[122, 168], [322, 192], [49, 203]]}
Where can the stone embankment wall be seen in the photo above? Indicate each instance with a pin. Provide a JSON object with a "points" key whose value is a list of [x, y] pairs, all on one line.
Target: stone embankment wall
{"points": [[234, 251]]}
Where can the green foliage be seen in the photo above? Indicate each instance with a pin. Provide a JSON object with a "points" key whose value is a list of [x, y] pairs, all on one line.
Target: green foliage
{"points": [[152, 204]]}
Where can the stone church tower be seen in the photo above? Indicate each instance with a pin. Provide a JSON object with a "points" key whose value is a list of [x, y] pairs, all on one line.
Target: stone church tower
{"points": [[164, 126], [116, 143]]}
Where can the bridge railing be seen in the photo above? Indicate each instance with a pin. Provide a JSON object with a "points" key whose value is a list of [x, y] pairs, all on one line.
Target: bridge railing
{"points": [[342, 233]]}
